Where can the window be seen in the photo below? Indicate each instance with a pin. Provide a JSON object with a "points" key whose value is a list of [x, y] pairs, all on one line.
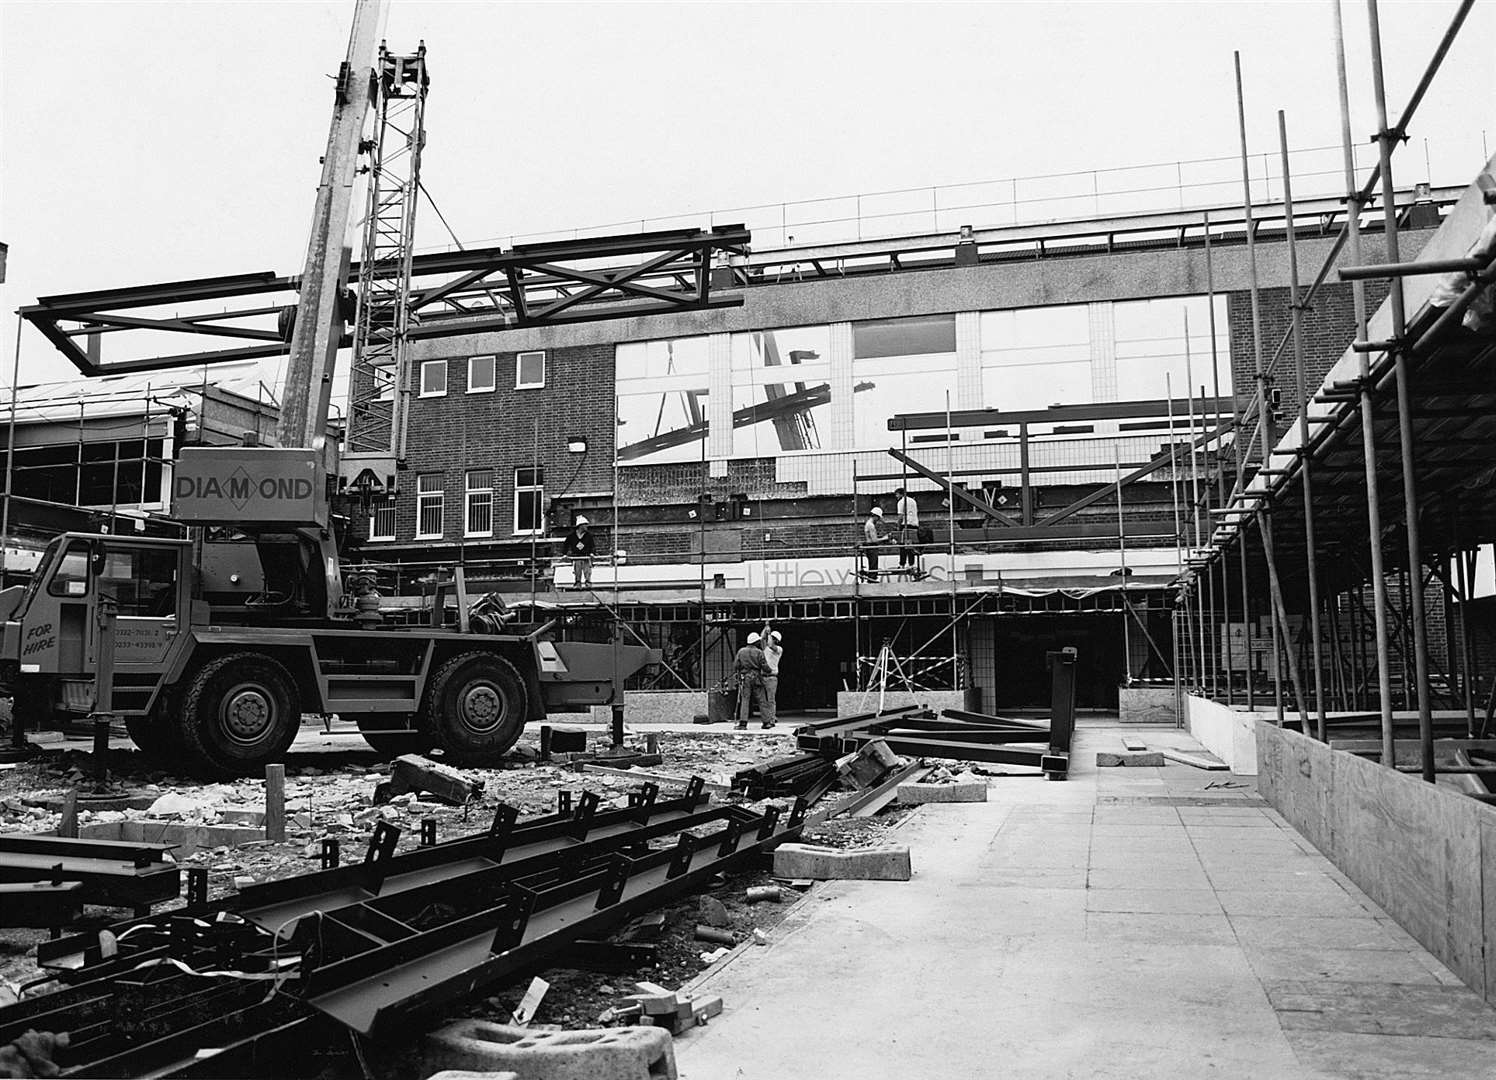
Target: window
{"points": [[480, 503], [529, 497], [143, 582], [781, 390], [382, 520], [529, 370], [71, 576], [899, 366], [481, 375], [662, 400], [430, 504], [434, 378]]}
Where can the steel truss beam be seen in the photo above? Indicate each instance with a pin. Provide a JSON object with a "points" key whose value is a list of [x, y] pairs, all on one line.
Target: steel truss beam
{"points": [[474, 291]]}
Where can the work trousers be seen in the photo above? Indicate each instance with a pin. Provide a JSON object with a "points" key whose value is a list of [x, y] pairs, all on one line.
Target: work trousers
{"points": [[768, 711], [750, 690]]}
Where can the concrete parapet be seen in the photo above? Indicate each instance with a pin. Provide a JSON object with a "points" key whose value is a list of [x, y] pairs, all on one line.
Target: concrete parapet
{"points": [[483, 1047], [822, 863], [856, 702], [1146, 705], [965, 791]]}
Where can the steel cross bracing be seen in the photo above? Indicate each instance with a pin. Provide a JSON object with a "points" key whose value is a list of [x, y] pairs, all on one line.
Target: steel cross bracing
{"points": [[379, 944], [379, 382]]}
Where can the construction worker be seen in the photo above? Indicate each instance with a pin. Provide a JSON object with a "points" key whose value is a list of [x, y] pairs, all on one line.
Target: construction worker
{"points": [[907, 512], [873, 538], [749, 667], [579, 548], [773, 652]]}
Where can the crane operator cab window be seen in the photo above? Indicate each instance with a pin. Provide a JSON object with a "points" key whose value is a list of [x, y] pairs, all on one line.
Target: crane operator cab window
{"points": [[142, 581], [71, 575]]}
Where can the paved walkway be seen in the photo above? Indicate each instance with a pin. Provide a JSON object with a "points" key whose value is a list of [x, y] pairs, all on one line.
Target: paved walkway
{"points": [[1137, 923]]}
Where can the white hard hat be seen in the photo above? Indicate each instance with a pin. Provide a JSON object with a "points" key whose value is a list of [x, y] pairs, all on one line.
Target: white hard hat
{"points": [[774, 634], [582, 521], [878, 510], [753, 639]]}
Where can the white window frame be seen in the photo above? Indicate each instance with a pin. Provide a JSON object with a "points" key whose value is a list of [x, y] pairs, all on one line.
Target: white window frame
{"points": [[432, 364], [539, 490], [519, 367], [493, 375], [475, 497], [386, 505], [436, 498]]}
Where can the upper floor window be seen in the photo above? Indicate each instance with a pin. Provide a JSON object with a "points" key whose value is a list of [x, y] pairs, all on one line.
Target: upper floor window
{"points": [[433, 378], [529, 370], [480, 378]]}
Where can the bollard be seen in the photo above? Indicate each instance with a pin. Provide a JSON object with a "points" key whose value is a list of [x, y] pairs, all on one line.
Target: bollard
{"points": [[652, 742], [101, 750], [428, 832], [329, 853], [275, 803], [68, 825], [617, 725], [545, 742]]}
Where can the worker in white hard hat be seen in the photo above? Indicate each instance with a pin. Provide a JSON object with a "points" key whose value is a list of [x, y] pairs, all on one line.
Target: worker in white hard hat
{"points": [[773, 653], [579, 548], [874, 539], [749, 667]]}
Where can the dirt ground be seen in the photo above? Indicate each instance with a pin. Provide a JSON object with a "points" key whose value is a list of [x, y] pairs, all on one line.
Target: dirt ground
{"points": [[331, 794]]}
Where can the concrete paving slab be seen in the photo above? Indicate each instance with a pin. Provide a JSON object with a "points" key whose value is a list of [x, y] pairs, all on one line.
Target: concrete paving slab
{"points": [[1154, 901], [1329, 901], [1290, 931], [1349, 1056], [1106, 878], [1379, 1008], [1343, 965], [1158, 929]]}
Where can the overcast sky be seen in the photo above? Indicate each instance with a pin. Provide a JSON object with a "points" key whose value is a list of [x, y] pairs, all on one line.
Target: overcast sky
{"points": [[147, 142]]}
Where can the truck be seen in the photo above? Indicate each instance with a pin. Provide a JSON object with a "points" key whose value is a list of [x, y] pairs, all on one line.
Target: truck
{"points": [[214, 646]]}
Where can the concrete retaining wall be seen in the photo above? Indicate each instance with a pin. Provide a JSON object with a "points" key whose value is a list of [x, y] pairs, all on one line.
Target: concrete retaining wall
{"points": [[1230, 734], [1426, 854], [855, 702], [1146, 705]]}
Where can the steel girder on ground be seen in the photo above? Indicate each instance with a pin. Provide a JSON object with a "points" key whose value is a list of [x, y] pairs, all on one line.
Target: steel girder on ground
{"points": [[962, 736], [377, 946], [462, 292]]}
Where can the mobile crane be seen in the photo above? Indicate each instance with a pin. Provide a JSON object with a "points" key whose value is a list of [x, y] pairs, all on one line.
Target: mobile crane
{"points": [[211, 648]]}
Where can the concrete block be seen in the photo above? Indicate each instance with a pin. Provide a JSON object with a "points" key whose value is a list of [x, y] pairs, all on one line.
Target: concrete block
{"points": [[635, 1053], [413, 773], [970, 791], [1148, 759], [468, 1074], [889, 863]]}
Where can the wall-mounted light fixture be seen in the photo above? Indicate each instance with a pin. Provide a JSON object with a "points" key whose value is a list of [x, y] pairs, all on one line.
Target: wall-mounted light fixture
{"points": [[576, 446]]}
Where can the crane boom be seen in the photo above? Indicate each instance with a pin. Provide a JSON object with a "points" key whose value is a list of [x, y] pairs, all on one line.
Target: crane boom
{"points": [[306, 391]]}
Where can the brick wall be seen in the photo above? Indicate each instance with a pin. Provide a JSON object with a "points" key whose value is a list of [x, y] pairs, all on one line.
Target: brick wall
{"points": [[1329, 326], [501, 430]]}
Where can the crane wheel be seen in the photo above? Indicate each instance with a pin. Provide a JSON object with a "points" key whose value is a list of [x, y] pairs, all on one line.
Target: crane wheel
{"points": [[240, 712], [477, 707], [377, 730]]}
